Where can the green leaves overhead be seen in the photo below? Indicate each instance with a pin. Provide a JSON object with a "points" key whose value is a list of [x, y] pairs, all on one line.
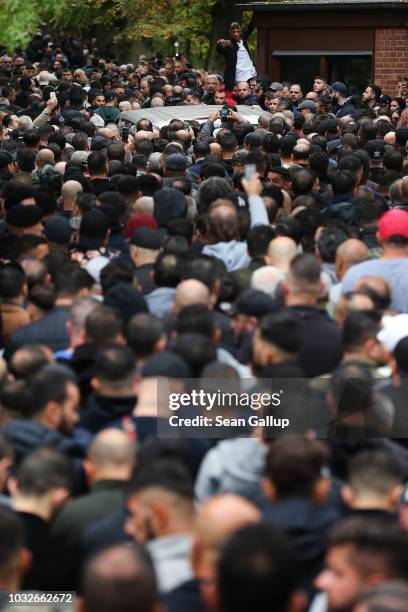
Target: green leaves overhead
{"points": [[115, 21], [19, 19]]}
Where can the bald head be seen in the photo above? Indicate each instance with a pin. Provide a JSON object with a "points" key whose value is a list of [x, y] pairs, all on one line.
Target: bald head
{"points": [[190, 292], [111, 455], [301, 151], [120, 578], [216, 520], [125, 105], [390, 138], [353, 250], [107, 132], [69, 192], [183, 135], [349, 253], [145, 204], [157, 102], [143, 134], [377, 288], [44, 156], [351, 302], [266, 279], [243, 89], [281, 251], [60, 166], [223, 210], [223, 221], [216, 149]]}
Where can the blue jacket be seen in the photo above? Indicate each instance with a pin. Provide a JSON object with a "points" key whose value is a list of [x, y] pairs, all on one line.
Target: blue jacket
{"points": [[50, 330], [348, 108]]}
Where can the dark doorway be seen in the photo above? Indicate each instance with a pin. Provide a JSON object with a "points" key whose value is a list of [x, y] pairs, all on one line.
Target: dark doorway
{"points": [[300, 69], [354, 70]]}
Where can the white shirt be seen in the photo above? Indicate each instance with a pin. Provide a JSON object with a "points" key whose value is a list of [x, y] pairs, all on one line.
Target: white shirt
{"points": [[245, 69]]}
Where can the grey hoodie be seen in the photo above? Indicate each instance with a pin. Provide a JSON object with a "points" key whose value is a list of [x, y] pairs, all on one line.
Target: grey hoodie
{"points": [[233, 466], [235, 254], [160, 301]]}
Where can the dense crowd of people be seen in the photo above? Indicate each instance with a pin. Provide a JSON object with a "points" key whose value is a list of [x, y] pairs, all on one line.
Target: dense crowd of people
{"points": [[215, 251]]}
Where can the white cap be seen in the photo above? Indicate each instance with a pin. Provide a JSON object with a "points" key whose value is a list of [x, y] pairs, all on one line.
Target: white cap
{"points": [[44, 77], [394, 329], [97, 121]]}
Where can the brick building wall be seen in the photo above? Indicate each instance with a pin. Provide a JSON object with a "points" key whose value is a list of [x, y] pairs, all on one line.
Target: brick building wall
{"points": [[391, 58]]}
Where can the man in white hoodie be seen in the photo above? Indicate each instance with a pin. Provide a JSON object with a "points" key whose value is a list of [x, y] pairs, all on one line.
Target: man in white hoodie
{"points": [[223, 227]]}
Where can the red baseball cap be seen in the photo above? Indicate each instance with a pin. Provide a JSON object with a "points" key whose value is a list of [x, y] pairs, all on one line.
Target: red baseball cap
{"points": [[137, 221], [393, 223]]}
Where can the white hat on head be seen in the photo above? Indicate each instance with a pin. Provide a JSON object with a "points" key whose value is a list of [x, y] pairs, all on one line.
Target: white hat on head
{"points": [[97, 121], [44, 77]]}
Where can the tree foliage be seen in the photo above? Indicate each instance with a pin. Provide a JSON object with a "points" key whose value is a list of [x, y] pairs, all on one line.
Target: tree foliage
{"points": [[191, 22], [20, 19], [127, 21]]}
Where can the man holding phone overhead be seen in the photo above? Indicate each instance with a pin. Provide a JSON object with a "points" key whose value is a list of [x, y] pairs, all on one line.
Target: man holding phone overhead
{"points": [[238, 63]]}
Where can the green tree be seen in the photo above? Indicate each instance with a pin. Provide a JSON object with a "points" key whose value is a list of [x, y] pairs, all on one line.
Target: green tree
{"points": [[195, 24], [159, 21], [20, 19]]}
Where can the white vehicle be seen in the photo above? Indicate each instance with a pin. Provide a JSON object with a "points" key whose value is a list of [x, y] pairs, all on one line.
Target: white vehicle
{"points": [[199, 112]]}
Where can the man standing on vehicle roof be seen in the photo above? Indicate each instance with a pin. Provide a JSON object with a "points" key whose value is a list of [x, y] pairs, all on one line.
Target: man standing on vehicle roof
{"points": [[238, 63]]}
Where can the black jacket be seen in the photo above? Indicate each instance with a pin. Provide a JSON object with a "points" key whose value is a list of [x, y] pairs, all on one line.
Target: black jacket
{"points": [[208, 99], [248, 101], [22, 98], [145, 428], [345, 442], [52, 567], [101, 411], [321, 349], [143, 276], [185, 598], [348, 108], [82, 363], [7, 243], [230, 55], [307, 524], [5, 177], [26, 435], [106, 532]]}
